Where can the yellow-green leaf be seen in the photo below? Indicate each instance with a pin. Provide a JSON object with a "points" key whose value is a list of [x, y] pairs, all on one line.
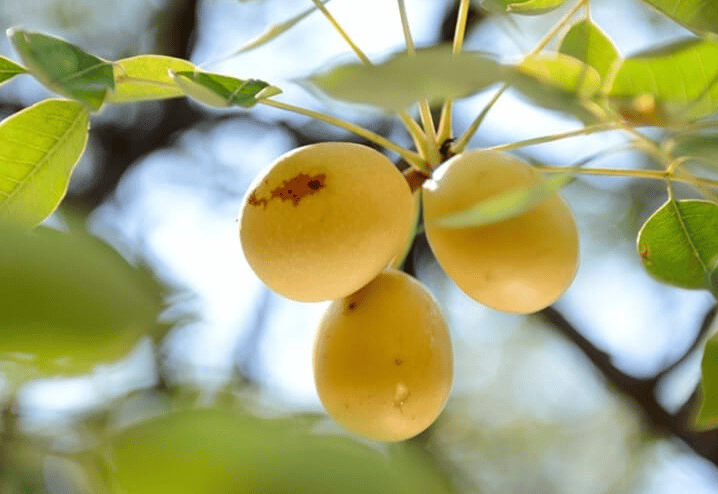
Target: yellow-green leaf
{"points": [[69, 302], [504, 206], [222, 91], [586, 41], [707, 415], [64, 68], [243, 454], [698, 15], [146, 77], [681, 77], [39, 147]]}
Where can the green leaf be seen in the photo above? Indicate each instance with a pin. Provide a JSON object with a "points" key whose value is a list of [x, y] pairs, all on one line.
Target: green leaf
{"points": [[273, 31], [698, 15], [562, 72], [678, 243], [504, 206], [39, 147], [707, 415], [559, 82], [9, 69], [69, 302], [682, 78], [64, 68], [146, 77], [403, 80], [526, 7], [243, 454], [223, 91], [586, 41], [534, 6]]}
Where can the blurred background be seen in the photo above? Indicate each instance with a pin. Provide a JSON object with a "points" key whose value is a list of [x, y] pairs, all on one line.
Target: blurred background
{"points": [[593, 395]]}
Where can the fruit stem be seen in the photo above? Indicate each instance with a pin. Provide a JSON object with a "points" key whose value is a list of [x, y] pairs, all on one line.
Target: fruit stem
{"points": [[445, 122], [342, 32], [405, 28], [663, 175], [410, 157], [556, 28], [460, 30], [463, 141], [556, 137], [428, 148]]}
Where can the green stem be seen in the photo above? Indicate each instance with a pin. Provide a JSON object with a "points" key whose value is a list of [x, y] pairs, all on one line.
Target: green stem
{"points": [[409, 156], [556, 28], [621, 172], [463, 141], [460, 30], [405, 28], [341, 32], [556, 137]]}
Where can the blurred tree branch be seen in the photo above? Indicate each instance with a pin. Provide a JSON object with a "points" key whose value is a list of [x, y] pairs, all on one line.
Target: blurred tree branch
{"points": [[643, 391]]}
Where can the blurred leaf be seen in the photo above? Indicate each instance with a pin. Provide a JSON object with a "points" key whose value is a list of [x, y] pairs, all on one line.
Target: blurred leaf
{"points": [[563, 72], [504, 206], [223, 91], [534, 6], [704, 147], [586, 41], [39, 148], [146, 77], [527, 7], [243, 454], [70, 302], [678, 243], [559, 82], [273, 31], [403, 80], [682, 78], [64, 68], [707, 415], [698, 15], [9, 69]]}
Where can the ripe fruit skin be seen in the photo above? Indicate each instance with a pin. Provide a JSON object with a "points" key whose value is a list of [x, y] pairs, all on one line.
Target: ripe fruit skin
{"points": [[383, 363], [325, 219], [522, 264]]}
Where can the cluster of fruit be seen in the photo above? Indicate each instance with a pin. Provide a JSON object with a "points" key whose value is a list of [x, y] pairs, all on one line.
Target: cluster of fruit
{"points": [[325, 221]]}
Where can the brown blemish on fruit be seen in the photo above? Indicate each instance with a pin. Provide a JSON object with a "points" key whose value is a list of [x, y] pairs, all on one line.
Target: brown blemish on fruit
{"points": [[352, 305], [398, 361], [294, 189], [644, 253]]}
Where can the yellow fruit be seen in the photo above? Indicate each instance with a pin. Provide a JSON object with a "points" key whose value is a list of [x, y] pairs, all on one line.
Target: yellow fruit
{"points": [[325, 219], [522, 264], [383, 364]]}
